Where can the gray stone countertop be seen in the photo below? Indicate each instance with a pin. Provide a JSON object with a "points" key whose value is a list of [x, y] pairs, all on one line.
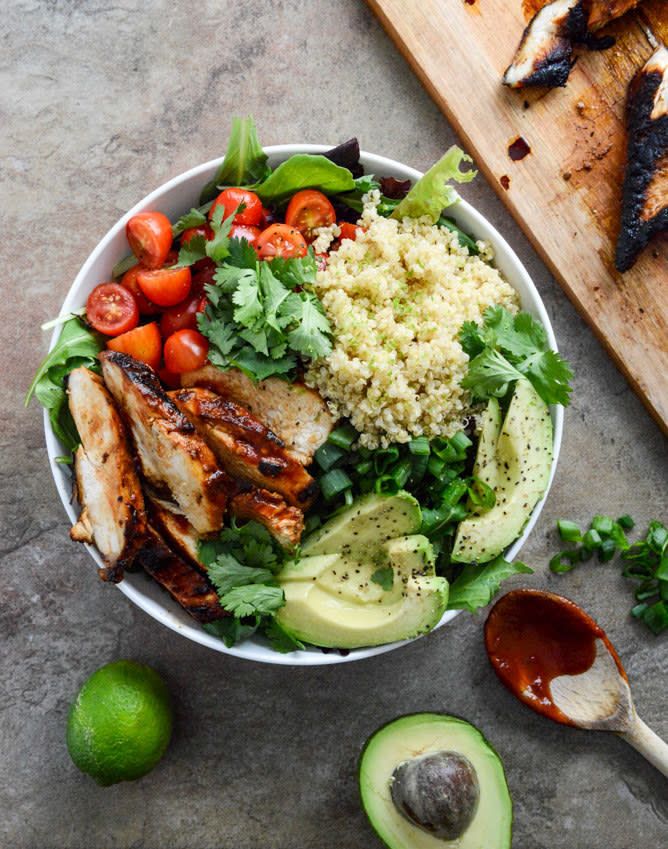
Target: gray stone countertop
{"points": [[101, 103]]}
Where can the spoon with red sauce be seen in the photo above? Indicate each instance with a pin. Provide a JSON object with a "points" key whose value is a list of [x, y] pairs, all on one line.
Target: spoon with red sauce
{"points": [[558, 661]]}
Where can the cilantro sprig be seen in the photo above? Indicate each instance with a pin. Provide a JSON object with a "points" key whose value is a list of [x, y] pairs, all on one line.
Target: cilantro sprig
{"points": [[242, 563], [505, 348]]}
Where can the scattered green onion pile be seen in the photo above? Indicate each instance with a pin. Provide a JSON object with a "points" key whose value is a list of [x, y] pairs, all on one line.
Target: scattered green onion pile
{"points": [[647, 561]]}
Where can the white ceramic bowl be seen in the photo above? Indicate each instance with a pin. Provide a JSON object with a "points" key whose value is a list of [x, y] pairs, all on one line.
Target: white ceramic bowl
{"points": [[173, 199]]}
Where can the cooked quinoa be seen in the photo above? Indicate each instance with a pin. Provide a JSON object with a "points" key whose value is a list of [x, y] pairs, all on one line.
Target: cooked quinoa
{"points": [[396, 299]]}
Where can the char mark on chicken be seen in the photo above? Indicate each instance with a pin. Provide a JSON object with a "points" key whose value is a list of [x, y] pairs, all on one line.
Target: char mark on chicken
{"points": [[293, 411], [173, 457], [244, 446], [645, 189], [107, 484], [284, 523]]}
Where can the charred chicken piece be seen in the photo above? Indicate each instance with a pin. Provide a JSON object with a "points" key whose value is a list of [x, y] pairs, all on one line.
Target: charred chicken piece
{"points": [[284, 523], [295, 413], [545, 53], [645, 190], [168, 520], [107, 484], [189, 587], [244, 446], [172, 455]]}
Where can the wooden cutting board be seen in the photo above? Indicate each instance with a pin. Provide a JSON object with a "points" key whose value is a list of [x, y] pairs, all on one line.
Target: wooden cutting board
{"points": [[565, 192]]}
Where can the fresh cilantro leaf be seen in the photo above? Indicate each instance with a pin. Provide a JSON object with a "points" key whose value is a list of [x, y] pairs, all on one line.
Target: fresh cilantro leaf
{"points": [[192, 251], [259, 367], [476, 585], [217, 248], [249, 308], [253, 600], [311, 336], [281, 640], [232, 630], [550, 375], [490, 374], [384, 577], [194, 218], [295, 272], [472, 338], [227, 572], [241, 254]]}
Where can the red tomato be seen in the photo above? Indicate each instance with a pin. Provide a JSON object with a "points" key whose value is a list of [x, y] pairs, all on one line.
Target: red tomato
{"points": [[230, 200], [348, 230], [129, 280], [144, 343], [202, 275], [245, 231], [200, 230], [281, 240], [308, 210], [111, 309], [149, 234], [165, 286], [182, 316], [185, 350], [173, 381]]}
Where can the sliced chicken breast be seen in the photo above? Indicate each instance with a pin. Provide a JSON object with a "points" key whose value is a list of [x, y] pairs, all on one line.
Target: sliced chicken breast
{"points": [[295, 413], [172, 456], [244, 446], [107, 484], [284, 523], [168, 520], [601, 12], [189, 587], [645, 190]]}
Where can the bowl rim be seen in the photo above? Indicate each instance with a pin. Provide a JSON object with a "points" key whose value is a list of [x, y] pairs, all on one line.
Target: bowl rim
{"points": [[177, 620]]}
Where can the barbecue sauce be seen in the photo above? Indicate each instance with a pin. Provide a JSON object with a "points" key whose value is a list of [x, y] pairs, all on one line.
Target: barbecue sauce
{"points": [[532, 637]]}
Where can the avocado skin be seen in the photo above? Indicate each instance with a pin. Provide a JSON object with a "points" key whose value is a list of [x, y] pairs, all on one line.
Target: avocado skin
{"points": [[420, 733]]}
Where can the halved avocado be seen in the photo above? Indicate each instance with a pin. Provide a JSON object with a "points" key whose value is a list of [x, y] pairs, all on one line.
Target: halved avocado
{"points": [[403, 743]]}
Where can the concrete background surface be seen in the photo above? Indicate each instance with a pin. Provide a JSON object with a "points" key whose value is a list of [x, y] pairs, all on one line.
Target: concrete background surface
{"points": [[101, 102]]}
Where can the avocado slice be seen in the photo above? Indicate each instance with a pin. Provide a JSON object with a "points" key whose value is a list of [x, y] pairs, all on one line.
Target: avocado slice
{"points": [[364, 579], [517, 467], [391, 802]]}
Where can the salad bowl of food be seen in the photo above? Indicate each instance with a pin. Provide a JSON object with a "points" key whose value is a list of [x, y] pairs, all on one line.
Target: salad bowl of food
{"points": [[312, 399]]}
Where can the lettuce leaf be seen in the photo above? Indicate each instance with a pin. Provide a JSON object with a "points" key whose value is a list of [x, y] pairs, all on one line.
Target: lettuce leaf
{"points": [[245, 161], [303, 171], [477, 585], [432, 194]]}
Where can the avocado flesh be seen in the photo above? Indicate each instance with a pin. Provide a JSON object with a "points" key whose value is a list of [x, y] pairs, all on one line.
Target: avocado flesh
{"points": [[518, 470], [422, 733], [331, 598]]}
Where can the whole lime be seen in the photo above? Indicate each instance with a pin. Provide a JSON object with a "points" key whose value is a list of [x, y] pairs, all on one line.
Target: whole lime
{"points": [[120, 722]]}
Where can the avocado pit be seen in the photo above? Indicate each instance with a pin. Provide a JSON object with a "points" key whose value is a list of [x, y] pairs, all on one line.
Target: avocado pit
{"points": [[438, 792]]}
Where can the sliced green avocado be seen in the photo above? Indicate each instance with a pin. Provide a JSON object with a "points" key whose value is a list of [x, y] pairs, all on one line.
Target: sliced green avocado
{"points": [[518, 470], [378, 588], [370, 521], [475, 798]]}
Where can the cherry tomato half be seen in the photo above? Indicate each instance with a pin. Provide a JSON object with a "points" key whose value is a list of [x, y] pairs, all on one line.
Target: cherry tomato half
{"points": [[185, 350], [245, 231], [281, 240], [129, 281], [200, 230], [165, 286], [182, 316], [308, 210], [144, 343], [230, 199], [348, 230], [149, 235], [111, 309]]}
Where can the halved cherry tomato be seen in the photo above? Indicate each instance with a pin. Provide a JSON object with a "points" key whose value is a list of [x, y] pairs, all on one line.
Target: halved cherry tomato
{"points": [[348, 230], [111, 309], [281, 240], [308, 210], [230, 199], [200, 230], [182, 316], [129, 281], [149, 235], [185, 350], [245, 231], [144, 343], [165, 286]]}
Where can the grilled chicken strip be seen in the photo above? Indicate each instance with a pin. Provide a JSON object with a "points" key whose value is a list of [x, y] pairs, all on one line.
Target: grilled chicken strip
{"points": [[645, 190], [168, 520], [171, 454], [244, 446], [107, 484], [283, 522], [545, 53], [295, 413], [190, 588]]}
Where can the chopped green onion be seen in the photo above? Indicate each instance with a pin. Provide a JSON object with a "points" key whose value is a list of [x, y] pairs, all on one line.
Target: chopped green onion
{"points": [[401, 472], [435, 466], [656, 617], [384, 458], [606, 550], [460, 442], [333, 483], [419, 445], [603, 524], [328, 454], [387, 485], [564, 561], [626, 522], [569, 531], [592, 539], [364, 467], [344, 436]]}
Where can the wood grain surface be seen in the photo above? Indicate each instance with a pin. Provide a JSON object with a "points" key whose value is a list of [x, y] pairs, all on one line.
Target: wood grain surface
{"points": [[566, 191]]}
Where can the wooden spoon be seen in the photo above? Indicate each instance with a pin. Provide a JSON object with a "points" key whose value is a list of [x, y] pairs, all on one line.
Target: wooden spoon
{"points": [[557, 660]]}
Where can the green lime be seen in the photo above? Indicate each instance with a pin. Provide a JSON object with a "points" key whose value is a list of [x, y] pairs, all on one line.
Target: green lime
{"points": [[120, 722]]}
